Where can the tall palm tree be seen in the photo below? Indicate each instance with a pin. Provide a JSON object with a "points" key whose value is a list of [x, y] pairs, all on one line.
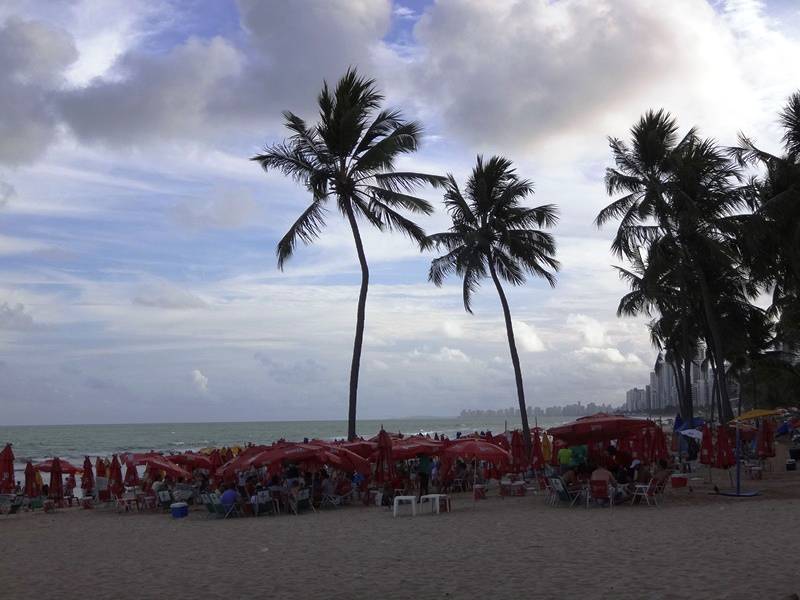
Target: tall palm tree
{"points": [[682, 190], [494, 235], [349, 157]]}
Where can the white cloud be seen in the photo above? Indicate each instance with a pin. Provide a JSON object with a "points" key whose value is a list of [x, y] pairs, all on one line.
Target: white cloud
{"points": [[15, 317], [592, 331], [611, 355], [527, 337], [200, 381], [14, 245], [162, 294], [7, 192], [451, 355], [224, 209]]}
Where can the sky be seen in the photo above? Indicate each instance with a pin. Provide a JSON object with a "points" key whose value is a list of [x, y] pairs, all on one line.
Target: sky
{"points": [[138, 280]]}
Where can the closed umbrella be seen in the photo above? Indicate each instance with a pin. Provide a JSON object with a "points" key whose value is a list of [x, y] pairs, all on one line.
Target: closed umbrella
{"points": [[56, 481], [384, 464], [87, 479], [537, 454], [723, 459], [101, 470], [518, 462], [115, 480], [765, 441], [131, 475], [547, 449], [7, 483], [706, 447], [32, 487]]}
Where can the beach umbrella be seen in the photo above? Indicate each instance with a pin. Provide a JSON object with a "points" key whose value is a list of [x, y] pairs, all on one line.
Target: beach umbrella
{"points": [[67, 468], [537, 455], [557, 445], [131, 475], [87, 479], [115, 480], [765, 441], [723, 458], [384, 464], [706, 447], [7, 483], [160, 463], [100, 467], [599, 427], [518, 461], [409, 448], [191, 461], [660, 449], [472, 449], [33, 488], [364, 448], [56, 480], [547, 448]]}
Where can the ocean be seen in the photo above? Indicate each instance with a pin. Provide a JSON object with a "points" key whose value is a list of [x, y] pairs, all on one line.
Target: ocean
{"points": [[74, 442]]}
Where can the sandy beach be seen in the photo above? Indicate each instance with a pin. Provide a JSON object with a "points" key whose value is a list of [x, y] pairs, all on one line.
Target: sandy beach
{"points": [[695, 545]]}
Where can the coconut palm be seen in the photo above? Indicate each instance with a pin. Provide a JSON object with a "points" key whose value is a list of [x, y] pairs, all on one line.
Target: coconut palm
{"points": [[494, 235], [348, 157], [684, 191]]}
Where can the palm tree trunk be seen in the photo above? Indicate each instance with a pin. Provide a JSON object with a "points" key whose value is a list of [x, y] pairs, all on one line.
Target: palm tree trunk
{"points": [[360, 317], [726, 413], [687, 377], [512, 346]]}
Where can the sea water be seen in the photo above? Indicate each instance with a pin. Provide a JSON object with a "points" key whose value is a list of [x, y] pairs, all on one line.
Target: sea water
{"points": [[74, 442]]}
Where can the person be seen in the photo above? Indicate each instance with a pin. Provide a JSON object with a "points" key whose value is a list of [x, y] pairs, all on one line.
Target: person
{"points": [[423, 474], [18, 488], [662, 473], [600, 473], [641, 474], [565, 459], [229, 497]]}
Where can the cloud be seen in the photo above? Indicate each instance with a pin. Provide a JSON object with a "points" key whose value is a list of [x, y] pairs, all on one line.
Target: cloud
{"points": [[199, 381], [527, 337], [521, 75], [7, 193], [294, 373], [446, 354], [610, 355], [225, 209], [163, 294], [15, 317], [592, 330], [33, 59]]}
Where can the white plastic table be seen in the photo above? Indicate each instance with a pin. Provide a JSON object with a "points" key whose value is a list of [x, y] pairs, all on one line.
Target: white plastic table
{"points": [[435, 499], [399, 499]]}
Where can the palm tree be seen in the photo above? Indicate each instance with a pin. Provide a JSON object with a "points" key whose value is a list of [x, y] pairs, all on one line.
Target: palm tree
{"points": [[494, 235], [349, 157], [682, 191]]}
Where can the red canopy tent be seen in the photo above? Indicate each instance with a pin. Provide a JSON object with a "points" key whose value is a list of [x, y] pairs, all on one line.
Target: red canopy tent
{"points": [[706, 447], [384, 464], [87, 478], [723, 458], [56, 488], [191, 461], [7, 482], [599, 427], [115, 481], [32, 489], [363, 448], [46, 466], [659, 448]]}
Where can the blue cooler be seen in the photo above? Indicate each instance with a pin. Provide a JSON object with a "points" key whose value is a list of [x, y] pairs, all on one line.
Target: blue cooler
{"points": [[179, 510]]}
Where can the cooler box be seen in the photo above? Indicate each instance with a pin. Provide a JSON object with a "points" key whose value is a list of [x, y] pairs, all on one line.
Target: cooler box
{"points": [[794, 453], [791, 465], [179, 510], [679, 481]]}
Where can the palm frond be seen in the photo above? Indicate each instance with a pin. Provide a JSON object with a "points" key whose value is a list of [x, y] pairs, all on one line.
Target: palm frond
{"points": [[306, 229]]}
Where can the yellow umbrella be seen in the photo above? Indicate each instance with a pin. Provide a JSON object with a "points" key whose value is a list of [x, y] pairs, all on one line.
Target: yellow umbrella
{"points": [[547, 450], [758, 413]]}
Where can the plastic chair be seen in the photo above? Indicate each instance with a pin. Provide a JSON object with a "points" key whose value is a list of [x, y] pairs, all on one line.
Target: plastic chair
{"points": [[600, 490], [646, 492]]}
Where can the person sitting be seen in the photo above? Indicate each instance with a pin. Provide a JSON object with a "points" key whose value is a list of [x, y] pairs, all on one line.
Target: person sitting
{"points": [[229, 497], [662, 473], [601, 473], [570, 477], [641, 474]]}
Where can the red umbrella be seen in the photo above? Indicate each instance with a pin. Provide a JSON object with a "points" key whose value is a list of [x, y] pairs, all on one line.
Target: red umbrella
{"points": [[518, 462], [408, 448], [192, 461], [131, 475], [56, 480], [100, 467], [159, 463], [115, 480], [384, 464], [501, 440], [477, 450], [599, 427], [363, 448], [87, 479], [537, 455], [7, 482], [706, 447], [46, 466], [660, 450], [31, 485], [724, 456], [765, 441]]}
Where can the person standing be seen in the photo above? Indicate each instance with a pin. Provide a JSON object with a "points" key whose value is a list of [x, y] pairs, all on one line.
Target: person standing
{"points": [[423, 474]]}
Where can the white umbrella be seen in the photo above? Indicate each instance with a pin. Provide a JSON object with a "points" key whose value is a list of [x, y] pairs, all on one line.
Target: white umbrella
{"points": [[693, 433]]}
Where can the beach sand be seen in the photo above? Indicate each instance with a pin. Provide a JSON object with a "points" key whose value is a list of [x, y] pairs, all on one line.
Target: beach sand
{"points": [[696, 545]]}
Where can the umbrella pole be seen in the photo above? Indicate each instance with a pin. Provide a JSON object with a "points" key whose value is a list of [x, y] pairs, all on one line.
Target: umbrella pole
{"points": [[738, 461]]}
